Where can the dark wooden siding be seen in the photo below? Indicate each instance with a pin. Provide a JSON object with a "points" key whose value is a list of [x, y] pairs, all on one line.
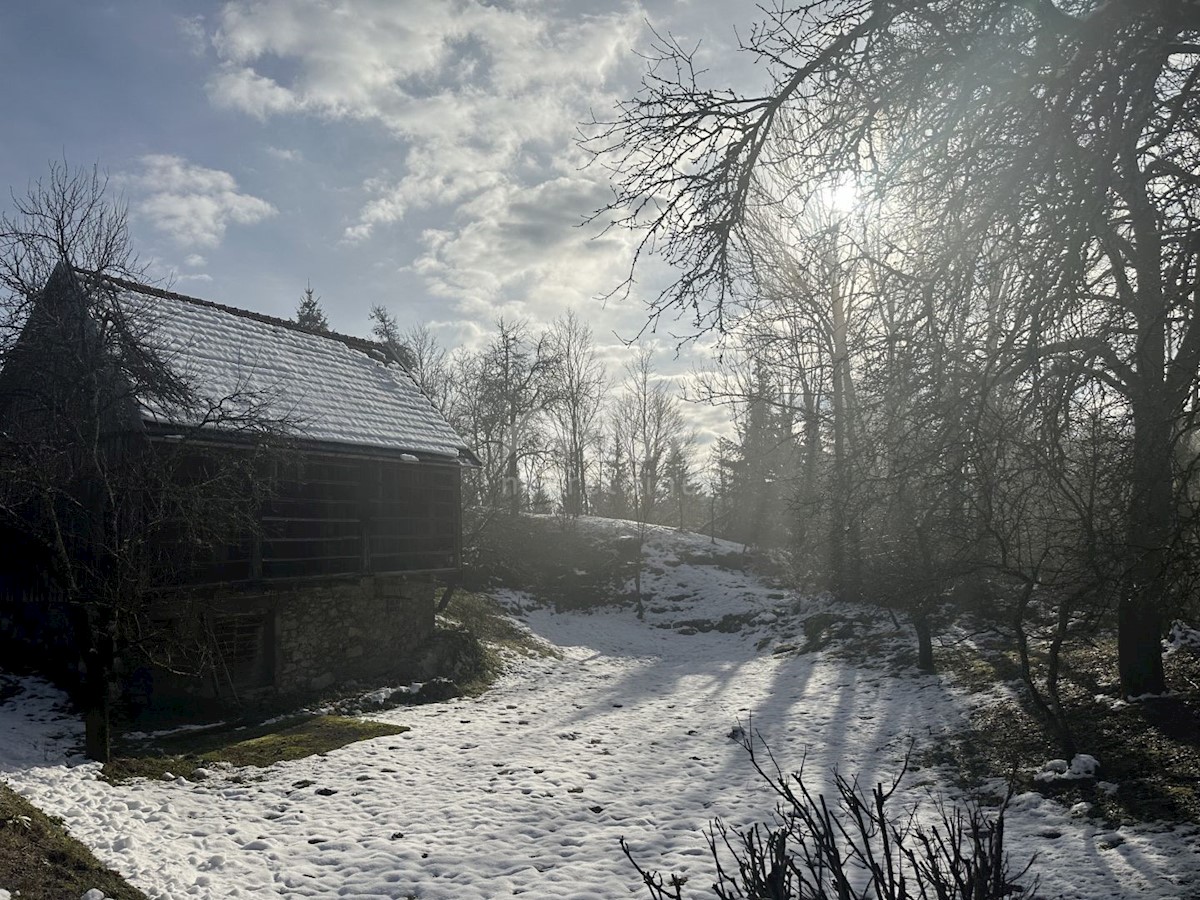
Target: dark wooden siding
{"points": [[335, 516]]}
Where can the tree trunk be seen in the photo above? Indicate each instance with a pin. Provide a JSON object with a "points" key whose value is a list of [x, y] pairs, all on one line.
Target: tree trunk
{"points": [[97, 740], [1139, 612], [812, 459], [712, 517], [512, 474], [637, 574], [924, 629], [1140, 609], [577, 490], [844, 580]]}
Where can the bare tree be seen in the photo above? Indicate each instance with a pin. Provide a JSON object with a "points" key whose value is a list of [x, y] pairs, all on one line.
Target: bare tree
{"points": [[105, 514], [580, 381], [645, 420], [418, 351], [1062, 131], [500, 401], [430, 363]]}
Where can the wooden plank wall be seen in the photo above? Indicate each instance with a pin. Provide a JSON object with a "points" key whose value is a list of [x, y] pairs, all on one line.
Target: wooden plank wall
{"points": [[345, 516]]}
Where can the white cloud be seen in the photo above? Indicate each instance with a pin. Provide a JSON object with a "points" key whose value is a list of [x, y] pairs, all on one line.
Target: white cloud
{"points": [[242, 88], [194, 260], [480, 96], [194, 34], [191, 204], [198, 278], [483, 102], [523, 245], [285, 153]]}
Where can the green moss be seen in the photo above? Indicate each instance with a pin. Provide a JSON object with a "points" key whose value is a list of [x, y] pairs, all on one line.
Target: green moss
{"points": [[488, 622], [260, 746], [40, 861], [496, 635]]}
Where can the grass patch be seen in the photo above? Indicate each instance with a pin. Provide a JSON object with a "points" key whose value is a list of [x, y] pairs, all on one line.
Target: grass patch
{"points": [[488, 622], [260, 746], [1151, 749], [40, 861], [495, 635], [560, 561]]}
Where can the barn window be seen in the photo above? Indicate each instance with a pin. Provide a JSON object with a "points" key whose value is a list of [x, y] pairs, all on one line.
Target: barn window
{"points": [[239, 638], [242, 645]]}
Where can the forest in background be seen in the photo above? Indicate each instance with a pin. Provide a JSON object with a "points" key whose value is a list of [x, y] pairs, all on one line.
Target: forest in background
{"points": [[951, 253]]}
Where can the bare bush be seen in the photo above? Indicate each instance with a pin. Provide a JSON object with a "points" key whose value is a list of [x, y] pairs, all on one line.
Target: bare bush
{"points": [[853, 847]]}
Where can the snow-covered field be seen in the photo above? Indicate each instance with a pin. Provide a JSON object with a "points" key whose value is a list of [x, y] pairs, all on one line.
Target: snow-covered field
{"points": [[526, 790]]}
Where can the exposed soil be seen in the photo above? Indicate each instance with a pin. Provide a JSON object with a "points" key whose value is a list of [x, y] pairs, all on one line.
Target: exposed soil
{"points": [[1149, 749]]}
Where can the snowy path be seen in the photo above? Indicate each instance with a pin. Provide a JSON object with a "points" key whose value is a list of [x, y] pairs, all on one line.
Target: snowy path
{"points": [[525, 791]]}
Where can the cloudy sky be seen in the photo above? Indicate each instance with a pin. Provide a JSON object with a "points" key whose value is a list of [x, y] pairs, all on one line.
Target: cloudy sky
{"points": [[416, 154]]}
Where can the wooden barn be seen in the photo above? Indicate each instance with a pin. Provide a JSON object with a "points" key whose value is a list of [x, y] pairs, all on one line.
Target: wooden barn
{"points": [[354, 528]]}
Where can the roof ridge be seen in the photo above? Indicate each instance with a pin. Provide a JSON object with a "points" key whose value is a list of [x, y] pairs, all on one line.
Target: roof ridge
{"points": [[352, 341]]}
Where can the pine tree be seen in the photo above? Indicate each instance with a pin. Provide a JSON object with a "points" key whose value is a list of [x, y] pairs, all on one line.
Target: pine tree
{"points": [[682, 486], [386, 330], [309, 313]]}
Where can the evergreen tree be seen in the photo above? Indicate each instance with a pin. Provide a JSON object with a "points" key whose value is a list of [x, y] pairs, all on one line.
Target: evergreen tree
{"points": [[681, 484], [760, 466], [309, 313]]}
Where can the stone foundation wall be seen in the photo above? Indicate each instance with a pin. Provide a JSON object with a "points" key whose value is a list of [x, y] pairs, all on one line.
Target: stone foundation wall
{"points": [[304, 638], [360, 630]]}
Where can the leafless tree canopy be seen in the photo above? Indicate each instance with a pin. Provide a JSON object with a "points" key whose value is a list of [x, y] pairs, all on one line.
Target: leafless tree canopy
{"points": [[1030, 243]]}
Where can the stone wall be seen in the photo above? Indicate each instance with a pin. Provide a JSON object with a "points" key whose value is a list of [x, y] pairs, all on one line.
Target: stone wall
{"points": [[303, 638], [361, 630]]}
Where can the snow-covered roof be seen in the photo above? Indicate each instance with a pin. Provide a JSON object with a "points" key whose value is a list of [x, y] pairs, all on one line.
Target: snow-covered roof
{"points": [[329, 388]]}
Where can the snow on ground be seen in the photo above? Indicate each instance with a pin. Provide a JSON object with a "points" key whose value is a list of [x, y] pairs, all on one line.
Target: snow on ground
{"points": [[526, 790]]}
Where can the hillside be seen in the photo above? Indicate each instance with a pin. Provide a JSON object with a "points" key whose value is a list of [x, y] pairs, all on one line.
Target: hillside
{"points": [[525, 790]]}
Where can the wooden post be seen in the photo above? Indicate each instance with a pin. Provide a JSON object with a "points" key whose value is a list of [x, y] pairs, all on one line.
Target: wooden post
{"points": [[256, 554], [370, 490]]}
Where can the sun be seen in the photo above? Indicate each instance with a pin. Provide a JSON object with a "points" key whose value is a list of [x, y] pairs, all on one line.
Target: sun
{"points": [[844, 196]]}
